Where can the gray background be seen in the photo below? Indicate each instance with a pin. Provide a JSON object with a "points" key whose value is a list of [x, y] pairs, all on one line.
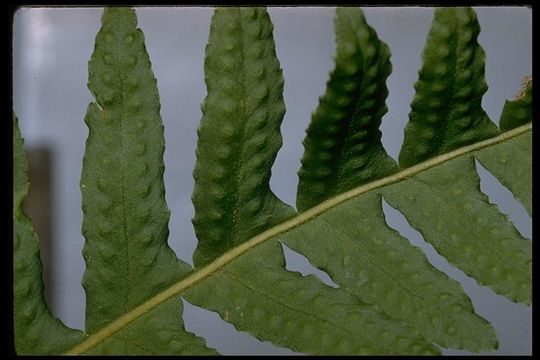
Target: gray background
{"points": [[51, 48]]}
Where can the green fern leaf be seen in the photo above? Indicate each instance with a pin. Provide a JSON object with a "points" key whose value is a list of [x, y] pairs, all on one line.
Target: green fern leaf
{"points": [[518, 112], [226, 284], [301, 313], [343, 146], [37, 331], [447, 207], [446, 112], [380, 267], [239, 136], [125, 219], [513, 167], [390, 299]]}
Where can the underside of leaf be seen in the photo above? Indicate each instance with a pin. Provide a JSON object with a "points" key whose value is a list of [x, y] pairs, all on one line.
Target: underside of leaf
{"points": [[446, 112], [304, 222], [125, 220], [512, 165], [301, 313], [382, 268], [238, 137], [447, 207], [343, 146], [390, 299]]}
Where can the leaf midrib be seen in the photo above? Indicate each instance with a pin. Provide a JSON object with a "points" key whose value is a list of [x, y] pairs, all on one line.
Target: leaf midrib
{"points": [[358, 96], [183, 284], [123, 187], [244, 119]]}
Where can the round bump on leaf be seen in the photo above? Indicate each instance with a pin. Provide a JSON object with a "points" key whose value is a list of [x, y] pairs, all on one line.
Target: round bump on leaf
{"points": [[149, 259], [22, 289], [431, 118], [442, 31], [428, 133], [135, 104], [29, 314], [218, 193], [144, 190], [276, 321], [249, 12], [422, 149], [254, 205], [106, 251], [464, 121], [443, 51], [464, 76], [176, 345], [345, 346], [128, 39], [466, 55], [107, 79], [258, 314], [102, 185], [132, 83], [218, 172], [342, 101], [438, 86], [328, 143], [105, 228], [467, 36], [327, 340], [139, 148], [146, 239], [107, 37], [132, 60], [16, 242], [227, 130], [108, 58], [444, 297], [19, 264]]}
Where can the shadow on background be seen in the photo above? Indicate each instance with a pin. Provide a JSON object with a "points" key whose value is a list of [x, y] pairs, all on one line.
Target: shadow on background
{"points": [[38, 207]]}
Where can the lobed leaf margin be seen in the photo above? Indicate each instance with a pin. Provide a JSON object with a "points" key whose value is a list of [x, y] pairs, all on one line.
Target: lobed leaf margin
{"points": [[199, 275]]}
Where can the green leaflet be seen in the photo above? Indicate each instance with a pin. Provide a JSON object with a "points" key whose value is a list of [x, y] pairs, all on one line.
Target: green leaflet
{"points": [[125, 216], [125, 219], [512, 165], [230, 275], [343, 146], [380, 267], [300, 313], [37, 331], [239, 136], [518, 112], [445, 204], [446, 112]]}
